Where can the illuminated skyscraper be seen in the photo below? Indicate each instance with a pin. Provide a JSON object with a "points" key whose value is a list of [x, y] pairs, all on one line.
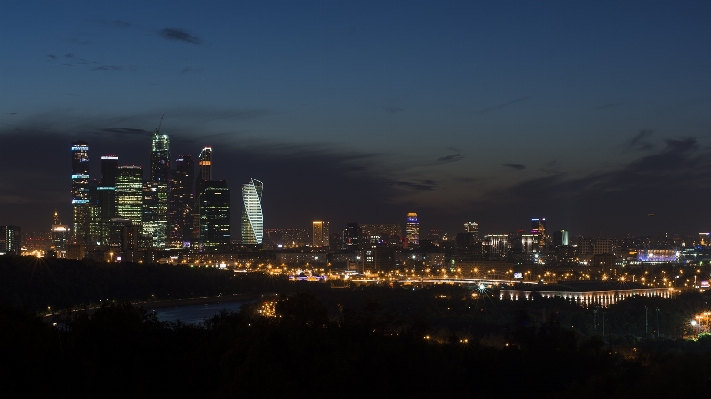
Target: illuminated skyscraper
{"points": [[205, 164], [252, 217], [160, 157], [155, 213], [204, 174], [155, 192], [538, 227], [60, 236], [215, 214], [10, 240], [129, 193], [412, 229], [80, 191], [321, 234], [181, 202]]}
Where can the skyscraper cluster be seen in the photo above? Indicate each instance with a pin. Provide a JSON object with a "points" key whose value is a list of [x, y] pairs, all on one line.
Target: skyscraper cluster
{"points": [[175, 207]]}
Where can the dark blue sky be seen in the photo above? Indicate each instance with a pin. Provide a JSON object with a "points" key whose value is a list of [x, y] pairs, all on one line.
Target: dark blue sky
{"points": [[592, 114]]}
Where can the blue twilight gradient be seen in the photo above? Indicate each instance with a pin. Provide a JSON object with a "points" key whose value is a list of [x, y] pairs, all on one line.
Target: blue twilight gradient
{"points": [[464, 110]]}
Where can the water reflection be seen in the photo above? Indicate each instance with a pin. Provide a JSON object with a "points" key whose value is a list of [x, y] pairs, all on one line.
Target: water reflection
{"points": [[195, 314]]}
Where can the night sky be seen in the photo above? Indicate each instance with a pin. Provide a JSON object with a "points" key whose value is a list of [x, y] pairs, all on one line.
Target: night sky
{"points": [[592, 114]]}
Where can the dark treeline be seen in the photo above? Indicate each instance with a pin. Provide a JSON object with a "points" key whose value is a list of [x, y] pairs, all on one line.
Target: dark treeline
{"points": [[345, 342], [37, 283], [123, 351]]}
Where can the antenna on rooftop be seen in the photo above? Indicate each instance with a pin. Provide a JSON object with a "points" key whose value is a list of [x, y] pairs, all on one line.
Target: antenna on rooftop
{"points": [[161, 123]]}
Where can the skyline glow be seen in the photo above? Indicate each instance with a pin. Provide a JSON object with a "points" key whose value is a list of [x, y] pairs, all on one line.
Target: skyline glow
{"points": [[594, 114]]}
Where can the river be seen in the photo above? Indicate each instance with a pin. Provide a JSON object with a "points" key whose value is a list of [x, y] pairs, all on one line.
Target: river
{"points": [[195, 314]]}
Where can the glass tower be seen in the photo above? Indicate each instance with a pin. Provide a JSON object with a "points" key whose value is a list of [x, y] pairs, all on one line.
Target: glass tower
{"points": [[181, 202], [156, 191], [155, 213], [252, 217], [106, 191], [215, 214], [160, 157], [80, 191], [129, 193], [205, 164]]}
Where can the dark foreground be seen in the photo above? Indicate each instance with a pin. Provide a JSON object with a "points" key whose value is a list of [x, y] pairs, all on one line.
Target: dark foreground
{"points": [[122, 351]]}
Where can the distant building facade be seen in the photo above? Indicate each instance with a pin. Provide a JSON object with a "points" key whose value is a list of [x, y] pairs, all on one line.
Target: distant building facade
{"points": [[10, 240], [412, 230], [321, 233]]}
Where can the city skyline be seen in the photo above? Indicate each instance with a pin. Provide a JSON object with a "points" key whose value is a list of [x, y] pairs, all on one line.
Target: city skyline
{"points": [[592, 114]]}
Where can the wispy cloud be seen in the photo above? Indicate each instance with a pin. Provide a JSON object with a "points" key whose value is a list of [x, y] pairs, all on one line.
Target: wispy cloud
{"points": [[639, 141], [122, 131], [450, 158], [506, 104], [418, 185], [52, 56], [106, 68], [515, 166], [179, 35]]}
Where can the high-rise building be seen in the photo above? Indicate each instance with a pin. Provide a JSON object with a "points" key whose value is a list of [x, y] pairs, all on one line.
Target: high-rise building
{"points": [[252, 216], [215, 214], [156, 192], [538, 228], [106, 190], [129, 193], [205, 164], [160, 157], [59, 236], [181, 202], [351, 236], [496, 245], [412, 230], [155, 213], [204, 174], [80, 191], [10, 240], [321, 234], [560, 238]]}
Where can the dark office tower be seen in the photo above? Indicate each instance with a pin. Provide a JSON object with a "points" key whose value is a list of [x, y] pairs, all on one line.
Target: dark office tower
{"points": [[80, 191], [214, 215], [160, 157], [538, 228], [10, 240], [109, 170], [181, 202], [252, 216], [129, 193], [204, 174], [351, 236], [106, 190]]}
